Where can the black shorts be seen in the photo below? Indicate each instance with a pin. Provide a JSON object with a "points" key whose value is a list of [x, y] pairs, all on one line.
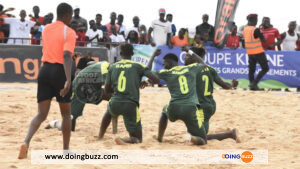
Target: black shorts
{"points": [[51, 80]]}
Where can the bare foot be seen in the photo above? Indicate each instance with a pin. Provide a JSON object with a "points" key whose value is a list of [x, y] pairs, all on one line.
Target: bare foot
{"points": [[119, 141], [23, 151], [235, 136]]}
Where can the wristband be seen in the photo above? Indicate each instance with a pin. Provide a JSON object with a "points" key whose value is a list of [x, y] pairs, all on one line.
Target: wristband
{"points": [[190, 52]]}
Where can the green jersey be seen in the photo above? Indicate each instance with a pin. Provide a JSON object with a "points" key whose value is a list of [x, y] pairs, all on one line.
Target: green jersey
{"points": [[181, 81], [87, 85], [205, 86], [125, 78]]}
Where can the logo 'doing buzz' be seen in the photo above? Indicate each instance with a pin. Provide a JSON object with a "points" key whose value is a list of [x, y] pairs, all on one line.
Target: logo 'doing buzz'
{"points": [[247, 157]]}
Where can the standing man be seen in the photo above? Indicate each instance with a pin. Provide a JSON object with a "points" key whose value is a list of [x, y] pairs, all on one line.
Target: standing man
{"points": [[205, 27], [290, 38], [79, 19], [93, 35], [99, 25], [170, 19], [55, 75], [35, 33], [233, 40], [19, 29], [270, 33], [120, 23], [161, 30], [136, 25], [253, 44], [113, 17]]}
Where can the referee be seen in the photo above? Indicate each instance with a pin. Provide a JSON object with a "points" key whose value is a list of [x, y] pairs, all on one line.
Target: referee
{"points": [[54, 78]]}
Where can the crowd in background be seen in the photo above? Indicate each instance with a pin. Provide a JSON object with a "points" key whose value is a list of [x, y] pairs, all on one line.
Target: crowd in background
{"points": [[162, 31]]}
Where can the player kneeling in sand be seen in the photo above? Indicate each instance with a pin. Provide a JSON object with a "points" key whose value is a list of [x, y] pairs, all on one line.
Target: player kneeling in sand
{"points": [[181, 82], [87, 88], [123, 80], [204, 82]]}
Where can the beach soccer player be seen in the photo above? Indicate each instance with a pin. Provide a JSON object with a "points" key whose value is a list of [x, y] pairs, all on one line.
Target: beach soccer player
{"points": [[123, 80], [87, 88], [54, 78], [205, 87], [181, 82]]}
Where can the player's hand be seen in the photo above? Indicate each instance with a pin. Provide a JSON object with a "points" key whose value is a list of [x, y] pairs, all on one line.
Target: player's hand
{"points": [[157, 52], [63, 92], [76, 55], [144, 84], [235, 83]]}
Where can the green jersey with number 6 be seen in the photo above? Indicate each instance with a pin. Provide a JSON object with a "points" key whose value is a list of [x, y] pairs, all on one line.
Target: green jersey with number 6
{"points": [[205, 86], [181, 81], [125, 78]]}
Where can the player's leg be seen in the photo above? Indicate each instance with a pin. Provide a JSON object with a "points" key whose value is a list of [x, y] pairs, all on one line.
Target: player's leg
{"points": [[43, 109], [76, 110], [104, 124], [193, 120], [132, 121], [66, 123], [233, 134], [115, 125], [163, 122]]}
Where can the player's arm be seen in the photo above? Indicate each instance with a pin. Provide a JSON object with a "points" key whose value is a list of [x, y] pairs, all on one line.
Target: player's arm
{"points": [[199, 60], [108, 90], [226, 85], [149, 35], [67, 67]]}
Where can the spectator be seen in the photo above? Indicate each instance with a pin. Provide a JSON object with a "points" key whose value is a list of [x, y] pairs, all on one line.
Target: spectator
{"points": [[79, 19], [35, 31], [180, 40], [197, 42], [133, 37], [4, 28], [19, 28], [170, 19], [50, 17], [206, 41], [270, 34], [115, 49], [205, 27], [161, 30], [113, 17], [81, 38], [143, 35], [190, 34], [93, 35], [233, 40], [120, 23], [136, 25], [290, 38], [99, 25]]}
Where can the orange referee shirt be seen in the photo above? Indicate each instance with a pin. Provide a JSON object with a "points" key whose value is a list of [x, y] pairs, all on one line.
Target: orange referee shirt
{"points": [[57, 38]]}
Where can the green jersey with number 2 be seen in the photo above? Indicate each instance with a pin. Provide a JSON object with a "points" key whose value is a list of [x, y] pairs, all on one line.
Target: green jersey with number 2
{"points": [[181, 81], [125, 78]]}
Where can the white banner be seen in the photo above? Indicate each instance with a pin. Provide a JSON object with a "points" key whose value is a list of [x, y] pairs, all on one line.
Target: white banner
{"points": [[149, 157]]}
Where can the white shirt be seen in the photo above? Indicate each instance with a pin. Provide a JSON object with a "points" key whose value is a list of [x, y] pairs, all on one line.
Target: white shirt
{"points": [[289, 42], [19, 29], [160, 32], [122, 28], [91, 34], [117, 38]]}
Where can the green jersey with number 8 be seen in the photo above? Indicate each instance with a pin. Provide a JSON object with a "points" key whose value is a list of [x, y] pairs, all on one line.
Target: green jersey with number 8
{"points": [[205, 86], [181, 81], [125, 78]]}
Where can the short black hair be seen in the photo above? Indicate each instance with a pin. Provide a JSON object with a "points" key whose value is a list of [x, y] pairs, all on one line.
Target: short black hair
{"points": [[169, 14], [171, 56], [1, 7], [199, 51], [126, 49], [120, 15], [63, 9], [99, 15]]}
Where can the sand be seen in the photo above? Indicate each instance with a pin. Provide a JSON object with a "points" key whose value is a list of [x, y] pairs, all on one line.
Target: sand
{"points": [[265, 120]]}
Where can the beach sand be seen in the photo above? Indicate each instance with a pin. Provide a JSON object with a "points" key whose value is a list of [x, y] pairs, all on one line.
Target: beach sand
{"points": [[265, 120]]}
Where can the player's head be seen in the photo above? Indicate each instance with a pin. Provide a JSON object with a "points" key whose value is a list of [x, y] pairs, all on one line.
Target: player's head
{"points": [[113, 16], [170, 60], [266, 22], [205, 18], [136, 21], [126, 51], [120, 19], [76, 11], [189, 59], [252, 19], [169, 17], [64, 13], [98, 18]]}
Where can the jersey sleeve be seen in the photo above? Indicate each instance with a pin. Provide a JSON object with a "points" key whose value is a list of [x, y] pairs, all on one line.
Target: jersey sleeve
{"points": [[9, 20], [108, 76], [143, 70], [214, 74], [70, 41], [162, 74]]}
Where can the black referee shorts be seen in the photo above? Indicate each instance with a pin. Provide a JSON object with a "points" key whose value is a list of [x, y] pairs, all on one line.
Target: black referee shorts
{"points": [[51, 80]]}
